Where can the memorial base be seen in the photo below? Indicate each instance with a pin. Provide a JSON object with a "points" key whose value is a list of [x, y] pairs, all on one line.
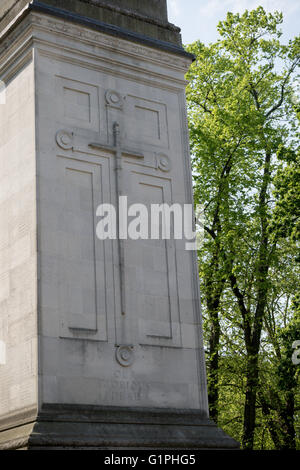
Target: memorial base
{"points": [[104, 428]]}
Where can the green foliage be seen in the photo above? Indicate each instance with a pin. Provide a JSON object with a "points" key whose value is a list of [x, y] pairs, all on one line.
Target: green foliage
{"points": [[286, 217], [244, 154], [287, 374]]}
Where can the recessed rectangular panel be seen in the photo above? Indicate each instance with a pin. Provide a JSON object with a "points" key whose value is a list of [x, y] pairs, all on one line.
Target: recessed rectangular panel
{"points": [[77, 103], [78, 224], [146, 122], [81, 262], [150, 120], [156, 290]]}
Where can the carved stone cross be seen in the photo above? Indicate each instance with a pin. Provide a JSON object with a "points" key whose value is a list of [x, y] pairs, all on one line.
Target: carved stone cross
{"points": [[119, 152]]}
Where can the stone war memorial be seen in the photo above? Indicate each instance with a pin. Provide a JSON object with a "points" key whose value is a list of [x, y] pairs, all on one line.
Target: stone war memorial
{"points": [[100, 339]]}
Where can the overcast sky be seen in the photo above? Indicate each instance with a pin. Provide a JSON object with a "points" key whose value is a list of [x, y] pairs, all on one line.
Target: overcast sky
{"points": [[198, 19]]}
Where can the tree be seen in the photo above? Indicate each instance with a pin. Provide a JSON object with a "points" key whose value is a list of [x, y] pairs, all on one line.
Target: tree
{"points": [[280, 399], [286, 216], [285, 224], [240, 116]]}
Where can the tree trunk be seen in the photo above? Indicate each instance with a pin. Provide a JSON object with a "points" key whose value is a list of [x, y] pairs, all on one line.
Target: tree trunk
{"points": [[289, 435], [272, 426], [213, 368], [250, 402]]}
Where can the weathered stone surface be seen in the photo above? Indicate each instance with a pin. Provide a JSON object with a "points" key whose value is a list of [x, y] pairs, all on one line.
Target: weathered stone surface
{"points": [[73, 427], [156, 9], [78, 99], [146, 17], [18, 251]]}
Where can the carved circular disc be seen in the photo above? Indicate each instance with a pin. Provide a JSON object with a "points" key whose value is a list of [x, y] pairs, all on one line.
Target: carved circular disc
{"points": [[113, 98], [125, 355], [64, 139], [163, 162]]}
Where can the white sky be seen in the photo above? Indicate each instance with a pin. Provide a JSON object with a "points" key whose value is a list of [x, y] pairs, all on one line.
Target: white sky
{"points": [[198, 19]]}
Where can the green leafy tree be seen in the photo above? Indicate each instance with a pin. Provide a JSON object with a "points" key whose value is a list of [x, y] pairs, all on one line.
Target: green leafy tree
{"points": [[286, 216], [280, 402], [240, 116]]}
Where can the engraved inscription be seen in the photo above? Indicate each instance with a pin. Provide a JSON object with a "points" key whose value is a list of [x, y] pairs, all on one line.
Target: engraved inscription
{"points": [[113, 391]]}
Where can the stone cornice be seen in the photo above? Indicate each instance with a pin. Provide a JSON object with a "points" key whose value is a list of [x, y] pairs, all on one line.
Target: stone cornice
{"points": [[111, 30], [109, 5], [132, 14], [114, 42], [108, 17], [92, 28], [39, 27]]}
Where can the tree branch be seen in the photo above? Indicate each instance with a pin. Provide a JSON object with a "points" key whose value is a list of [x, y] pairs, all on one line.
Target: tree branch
{"points": [[284, 83]]}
